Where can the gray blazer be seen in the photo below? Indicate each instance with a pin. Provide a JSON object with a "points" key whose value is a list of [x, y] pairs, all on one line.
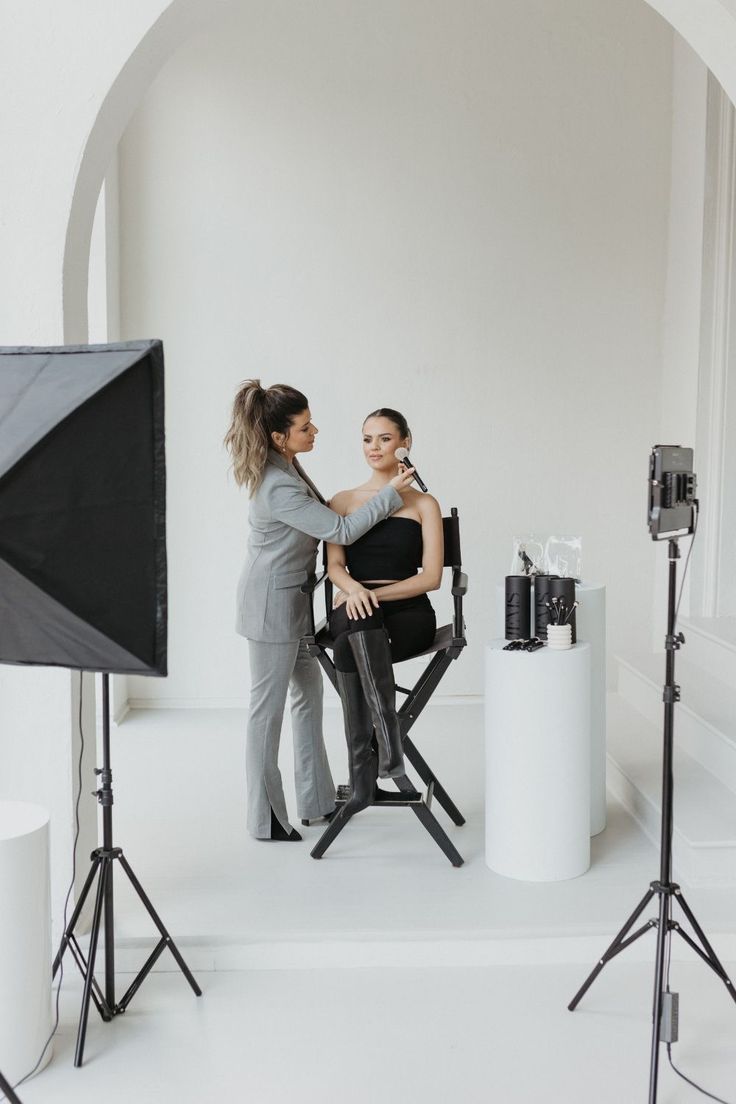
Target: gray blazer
{"points": [[288, 518]]}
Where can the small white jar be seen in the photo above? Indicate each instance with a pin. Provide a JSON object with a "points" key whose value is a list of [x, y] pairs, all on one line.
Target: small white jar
{"points": [[559, 637]]}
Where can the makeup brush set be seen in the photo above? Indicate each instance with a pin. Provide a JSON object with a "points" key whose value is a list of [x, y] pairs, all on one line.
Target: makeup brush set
{"points": [[540, 608]]}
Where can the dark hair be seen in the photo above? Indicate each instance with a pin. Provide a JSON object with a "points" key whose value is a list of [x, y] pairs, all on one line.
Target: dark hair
{"points": [[393, 416], [257, 413]]}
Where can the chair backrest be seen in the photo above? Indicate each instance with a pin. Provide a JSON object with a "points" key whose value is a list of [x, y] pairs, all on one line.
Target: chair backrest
{"points": [[451, 529]]}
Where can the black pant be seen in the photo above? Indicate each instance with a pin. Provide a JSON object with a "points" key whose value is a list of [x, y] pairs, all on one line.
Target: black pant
{"points": [[409, 622]]}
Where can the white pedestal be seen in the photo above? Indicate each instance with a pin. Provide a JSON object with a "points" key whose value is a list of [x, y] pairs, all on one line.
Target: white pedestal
{"points": [[591, 627], [590, 619], [25, 938], [538, 762]]}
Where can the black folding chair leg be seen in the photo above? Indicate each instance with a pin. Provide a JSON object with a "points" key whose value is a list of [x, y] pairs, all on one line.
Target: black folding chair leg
{"points": [[331, 832], [438, 833], [427, 776]]}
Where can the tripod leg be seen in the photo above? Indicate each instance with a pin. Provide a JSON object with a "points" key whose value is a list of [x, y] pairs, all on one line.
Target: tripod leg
{"points": [[612, 950], [663, 937], [97, 996], [104, 867], [75, 915], [141, 976], [6, 1088], [331, 832], [109, 927], [710, 955], [159, 924]]}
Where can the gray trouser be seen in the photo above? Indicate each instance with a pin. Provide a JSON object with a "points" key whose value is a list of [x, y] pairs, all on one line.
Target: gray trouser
{"points": [[273, 669]]}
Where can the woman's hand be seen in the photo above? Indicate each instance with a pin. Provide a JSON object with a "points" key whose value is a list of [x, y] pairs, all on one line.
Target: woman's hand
{"points": [[402, 481], [359, 603]]}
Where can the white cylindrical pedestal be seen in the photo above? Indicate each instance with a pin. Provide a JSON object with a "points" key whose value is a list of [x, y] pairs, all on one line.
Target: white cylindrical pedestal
{"points": [[590, 619], [591, 627], [538, 762], [25, 938]]}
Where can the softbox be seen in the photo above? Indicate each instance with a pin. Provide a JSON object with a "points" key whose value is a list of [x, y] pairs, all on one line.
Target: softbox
{"points": [[83, 507]]}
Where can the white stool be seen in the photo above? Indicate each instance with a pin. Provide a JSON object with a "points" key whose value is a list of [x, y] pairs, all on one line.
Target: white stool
{"points": [[25, 938], [538, 762]]}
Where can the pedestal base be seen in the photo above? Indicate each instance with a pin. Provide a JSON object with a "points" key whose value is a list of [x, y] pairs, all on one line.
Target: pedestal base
{"points": [[538, 762], [25, 938]]}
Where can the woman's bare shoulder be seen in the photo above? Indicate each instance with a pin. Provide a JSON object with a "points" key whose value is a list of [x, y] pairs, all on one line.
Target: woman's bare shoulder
{"points": [[428, 506]]}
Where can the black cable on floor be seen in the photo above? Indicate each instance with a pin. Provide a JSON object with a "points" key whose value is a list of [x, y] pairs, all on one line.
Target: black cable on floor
{"points": [[679, 1072], [47, 1044], [710, 1095]]}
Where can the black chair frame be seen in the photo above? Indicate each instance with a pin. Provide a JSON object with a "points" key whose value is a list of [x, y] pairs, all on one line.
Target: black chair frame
{"points": [[448, 643]]}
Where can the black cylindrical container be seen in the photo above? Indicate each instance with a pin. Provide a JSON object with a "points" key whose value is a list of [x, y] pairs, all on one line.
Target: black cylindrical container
{"points": [[518, 606], [542, 594], [565, 589]]}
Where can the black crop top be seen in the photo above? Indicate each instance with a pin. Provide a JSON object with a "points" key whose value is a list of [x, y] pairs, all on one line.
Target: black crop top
{"points": [[390, 550]]}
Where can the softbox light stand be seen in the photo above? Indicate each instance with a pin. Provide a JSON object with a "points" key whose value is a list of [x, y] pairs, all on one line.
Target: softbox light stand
{"points": [[101, 870], [664, 889], [83, 566]]}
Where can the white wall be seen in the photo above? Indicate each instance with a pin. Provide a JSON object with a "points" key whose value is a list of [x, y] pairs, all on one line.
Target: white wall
{"points": [[55, 81], [681, 346], [681, 329], [715, 580], [462, 217]]}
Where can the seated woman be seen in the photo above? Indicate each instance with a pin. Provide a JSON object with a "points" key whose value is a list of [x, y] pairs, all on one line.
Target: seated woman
{"points": [[382, 613]]}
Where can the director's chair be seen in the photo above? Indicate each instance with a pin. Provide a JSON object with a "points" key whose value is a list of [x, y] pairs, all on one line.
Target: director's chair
{"points": [[447, 645]]}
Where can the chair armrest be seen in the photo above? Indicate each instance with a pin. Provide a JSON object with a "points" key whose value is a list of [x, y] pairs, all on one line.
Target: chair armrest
{"points": [[459, 583], [312, 583]]}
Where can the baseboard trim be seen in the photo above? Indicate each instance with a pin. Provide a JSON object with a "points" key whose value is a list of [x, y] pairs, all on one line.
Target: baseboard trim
{"points": [[504, 949], [331, 702], [121, 713]]}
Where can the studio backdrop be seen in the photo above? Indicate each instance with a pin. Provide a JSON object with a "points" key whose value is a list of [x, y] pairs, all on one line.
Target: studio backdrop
{"points": [[83, 507]]}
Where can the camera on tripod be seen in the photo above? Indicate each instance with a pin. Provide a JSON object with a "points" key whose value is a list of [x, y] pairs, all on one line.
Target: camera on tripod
{"points": [[672, 491]]}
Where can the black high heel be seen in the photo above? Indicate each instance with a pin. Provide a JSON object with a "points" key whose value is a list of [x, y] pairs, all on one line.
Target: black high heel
{"points": [[278, 832]]}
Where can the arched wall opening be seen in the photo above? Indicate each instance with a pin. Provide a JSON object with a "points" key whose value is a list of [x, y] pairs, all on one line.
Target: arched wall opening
{"points": [[436, 360], [710, 30]]}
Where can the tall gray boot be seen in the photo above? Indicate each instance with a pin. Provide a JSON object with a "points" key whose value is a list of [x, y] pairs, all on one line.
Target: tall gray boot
{"points": [[372, 655]]}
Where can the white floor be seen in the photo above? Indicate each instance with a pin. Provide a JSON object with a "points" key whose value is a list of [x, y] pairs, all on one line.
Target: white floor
{"points": [[436, 1035], [234, 901], [380, 971]]}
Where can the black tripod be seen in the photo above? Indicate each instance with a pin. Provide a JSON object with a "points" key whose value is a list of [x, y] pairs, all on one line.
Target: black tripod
{"points": [[102, 867], [665, 889], [8, 1090]]}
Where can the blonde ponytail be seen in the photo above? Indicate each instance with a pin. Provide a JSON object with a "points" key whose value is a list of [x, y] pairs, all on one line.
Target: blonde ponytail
{"points": [[257, 413]]}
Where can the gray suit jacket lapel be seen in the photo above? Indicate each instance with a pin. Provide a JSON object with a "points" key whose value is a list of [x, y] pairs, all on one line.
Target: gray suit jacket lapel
{"points": [[295, 470], [297, 466]]}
